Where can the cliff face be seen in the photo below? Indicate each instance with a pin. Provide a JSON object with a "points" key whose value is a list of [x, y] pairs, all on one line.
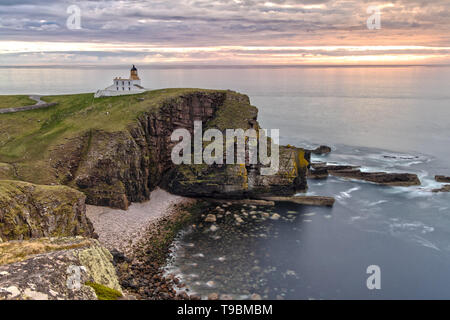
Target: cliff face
{"points": [[32, 211], [116, 168], [239, 181]]}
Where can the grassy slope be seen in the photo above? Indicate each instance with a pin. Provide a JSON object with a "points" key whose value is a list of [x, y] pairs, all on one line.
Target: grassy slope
{"points": [[27, 137], [15, 251], [15, 101]]}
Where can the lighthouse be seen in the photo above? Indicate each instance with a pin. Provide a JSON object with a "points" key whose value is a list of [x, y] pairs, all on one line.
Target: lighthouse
{"points": [[134, 74], [122, 86]]}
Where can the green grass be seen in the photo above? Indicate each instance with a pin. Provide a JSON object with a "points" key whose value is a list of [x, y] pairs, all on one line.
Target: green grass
{"points": [[15, 101], [103, 292]]}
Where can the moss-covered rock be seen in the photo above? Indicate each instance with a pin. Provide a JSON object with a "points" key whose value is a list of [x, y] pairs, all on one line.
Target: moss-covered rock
{"points": [[32, 211], [73, 268], [98, 260]]}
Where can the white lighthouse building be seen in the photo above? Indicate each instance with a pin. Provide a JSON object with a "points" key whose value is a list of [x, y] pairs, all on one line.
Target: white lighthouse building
{"points": [[122, 86]]}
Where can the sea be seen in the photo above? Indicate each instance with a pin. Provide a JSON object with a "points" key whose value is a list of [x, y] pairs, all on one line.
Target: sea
{"points": [[392, 119]]}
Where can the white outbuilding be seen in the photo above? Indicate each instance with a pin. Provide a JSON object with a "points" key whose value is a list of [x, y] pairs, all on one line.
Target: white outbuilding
{"points": [[122, 86]]}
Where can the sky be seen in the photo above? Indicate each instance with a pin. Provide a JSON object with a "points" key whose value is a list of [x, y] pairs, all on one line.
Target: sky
{"points": [[223, 32]]}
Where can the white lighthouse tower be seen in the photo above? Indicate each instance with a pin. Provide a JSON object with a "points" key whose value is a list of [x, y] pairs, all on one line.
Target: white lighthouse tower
{"points": [[122, 86]]}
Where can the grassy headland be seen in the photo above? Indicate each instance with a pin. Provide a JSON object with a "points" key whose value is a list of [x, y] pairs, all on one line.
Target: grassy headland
{"points": [[26, 138]]}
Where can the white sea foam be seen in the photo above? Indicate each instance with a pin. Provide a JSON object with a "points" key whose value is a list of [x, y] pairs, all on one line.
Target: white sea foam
{"points": [[347, 194], [372, 204], [426, 243], [410, 226]]}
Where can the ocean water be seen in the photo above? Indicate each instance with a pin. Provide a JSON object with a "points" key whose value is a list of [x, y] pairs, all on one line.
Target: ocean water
{"points": [[389, 119]]}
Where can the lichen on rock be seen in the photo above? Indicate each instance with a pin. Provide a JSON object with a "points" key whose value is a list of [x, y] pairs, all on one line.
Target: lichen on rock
{"points": [[97, 260], [55, 269]]}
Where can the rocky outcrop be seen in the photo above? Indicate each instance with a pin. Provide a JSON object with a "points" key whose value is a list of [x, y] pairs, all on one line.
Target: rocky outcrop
{"points": [[116, 168], [305, 200], [332, 167], [383, 178], [442, 179], [445, 188], [240, 181], [57, 269], [321, 170], [32, 211], [321, 150]]}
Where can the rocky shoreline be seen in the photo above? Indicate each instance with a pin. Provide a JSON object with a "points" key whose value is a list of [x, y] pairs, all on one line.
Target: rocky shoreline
{"points": [[141, 273]]}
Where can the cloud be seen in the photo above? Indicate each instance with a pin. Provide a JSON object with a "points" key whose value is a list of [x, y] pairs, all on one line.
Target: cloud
{"points": [[215, 23]]}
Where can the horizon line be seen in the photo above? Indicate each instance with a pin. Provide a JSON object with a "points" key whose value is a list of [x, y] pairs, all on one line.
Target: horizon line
{"points": [[223, 66]]}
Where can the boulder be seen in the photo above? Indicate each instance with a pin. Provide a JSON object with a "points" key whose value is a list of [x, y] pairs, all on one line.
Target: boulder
{"points": [[275, 216], [255, 296], [213, 296], [442, 179], [210, 218], [73, 268]]}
